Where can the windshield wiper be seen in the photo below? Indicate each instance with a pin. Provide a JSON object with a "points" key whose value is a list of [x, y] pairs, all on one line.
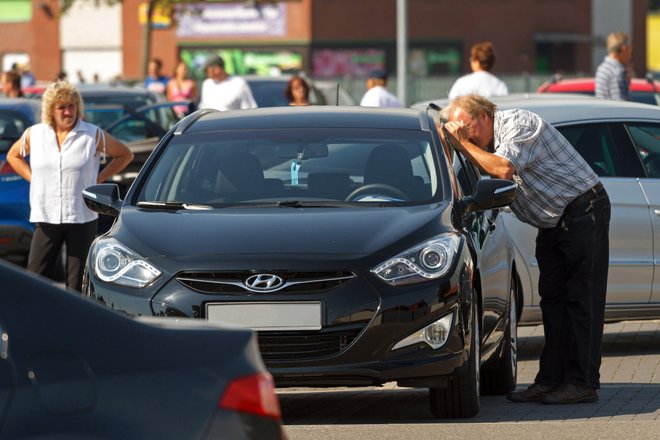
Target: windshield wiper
{"points": [[309, 204], [173, 205]]}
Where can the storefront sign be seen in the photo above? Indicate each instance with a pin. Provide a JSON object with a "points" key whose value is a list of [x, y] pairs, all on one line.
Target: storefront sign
{"points": [[233, 19]]}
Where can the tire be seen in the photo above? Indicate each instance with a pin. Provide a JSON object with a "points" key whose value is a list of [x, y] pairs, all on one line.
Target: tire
{"points": [[500, 378], [461, 397]]}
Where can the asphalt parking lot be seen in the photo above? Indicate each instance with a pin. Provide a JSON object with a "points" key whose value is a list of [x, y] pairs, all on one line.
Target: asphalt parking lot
{"points": [[628, 405]]}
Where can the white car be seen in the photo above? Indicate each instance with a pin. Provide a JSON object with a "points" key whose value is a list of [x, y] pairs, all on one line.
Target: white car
{"points": [[621, 142]]}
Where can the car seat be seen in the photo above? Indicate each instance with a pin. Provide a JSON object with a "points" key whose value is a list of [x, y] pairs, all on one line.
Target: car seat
{"points": [[240, 176], [389, 164]]}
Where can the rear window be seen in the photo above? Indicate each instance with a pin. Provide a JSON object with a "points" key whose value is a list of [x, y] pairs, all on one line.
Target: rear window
{"points": [[282, 165]]}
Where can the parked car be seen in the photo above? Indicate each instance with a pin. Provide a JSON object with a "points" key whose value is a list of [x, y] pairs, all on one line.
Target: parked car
{"points": [[104, 104], [621, 142], [340, 234], [75, 369], [268, 91], [140, 129], [15, 228], [644, 90]]}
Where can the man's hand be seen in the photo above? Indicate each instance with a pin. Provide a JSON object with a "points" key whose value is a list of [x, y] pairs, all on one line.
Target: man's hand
{"points": [[453, 133]]}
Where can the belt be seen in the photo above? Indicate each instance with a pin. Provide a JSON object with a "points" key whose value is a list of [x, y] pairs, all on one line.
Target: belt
{"points": [[584, 198]]}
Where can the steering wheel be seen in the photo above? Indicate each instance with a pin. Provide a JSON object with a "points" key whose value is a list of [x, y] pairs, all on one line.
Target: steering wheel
{"points": [[374, 188]]}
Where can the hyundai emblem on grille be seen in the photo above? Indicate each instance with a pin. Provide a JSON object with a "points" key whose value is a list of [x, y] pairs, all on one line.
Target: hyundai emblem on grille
{"points": [[264, 282]]}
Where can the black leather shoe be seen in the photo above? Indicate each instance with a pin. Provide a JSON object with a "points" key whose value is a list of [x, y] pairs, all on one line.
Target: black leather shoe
{"points": [[534, 393], [569, 393]]}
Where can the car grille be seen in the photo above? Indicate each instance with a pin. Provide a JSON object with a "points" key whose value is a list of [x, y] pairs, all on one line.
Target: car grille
{"points": [[305, 345], [233, 282]]}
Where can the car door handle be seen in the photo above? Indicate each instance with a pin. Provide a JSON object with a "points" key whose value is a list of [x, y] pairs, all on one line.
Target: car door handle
{"points": [[657, 212]]}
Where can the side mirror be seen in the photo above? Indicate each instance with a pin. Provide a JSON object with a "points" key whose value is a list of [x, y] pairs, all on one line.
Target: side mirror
{"points": [[490, 194], [103, 198]]}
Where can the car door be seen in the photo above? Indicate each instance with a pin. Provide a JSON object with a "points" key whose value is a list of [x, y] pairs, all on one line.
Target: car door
{"points": [[607, 148], [646, 140], [492, 245]]}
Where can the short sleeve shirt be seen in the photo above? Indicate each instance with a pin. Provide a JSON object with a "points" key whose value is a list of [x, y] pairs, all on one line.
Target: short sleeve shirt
{"points": [[550, 173], [231, 94], [379, 96], [60, 175]]}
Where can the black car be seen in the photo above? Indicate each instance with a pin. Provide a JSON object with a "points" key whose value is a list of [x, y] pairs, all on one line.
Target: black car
{"points": [[345, 236], [70, 368], [106, 104]]}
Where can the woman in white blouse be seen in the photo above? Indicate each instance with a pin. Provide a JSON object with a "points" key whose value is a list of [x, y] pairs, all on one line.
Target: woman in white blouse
{"points": [[65, 156]]}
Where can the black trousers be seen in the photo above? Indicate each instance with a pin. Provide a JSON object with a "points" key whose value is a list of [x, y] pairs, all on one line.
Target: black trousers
{"points": [[47, 243], [573, 262]]}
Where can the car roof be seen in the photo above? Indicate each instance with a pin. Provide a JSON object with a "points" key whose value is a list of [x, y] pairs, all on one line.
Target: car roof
{"points": [[588, 85], [307, 117], [97, 90], [27, 106], [558, 108]]}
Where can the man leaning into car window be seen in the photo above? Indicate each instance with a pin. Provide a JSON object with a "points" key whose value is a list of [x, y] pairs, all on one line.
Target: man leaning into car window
{"points": [[561, 195]]}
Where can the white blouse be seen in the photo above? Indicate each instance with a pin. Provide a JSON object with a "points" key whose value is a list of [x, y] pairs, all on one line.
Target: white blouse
{"points": [[60, 175]]}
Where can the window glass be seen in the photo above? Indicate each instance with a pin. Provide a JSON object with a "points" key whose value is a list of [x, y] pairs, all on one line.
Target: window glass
{"points": [[595, 144], [12, 126], [646, 138], [261, 165]]}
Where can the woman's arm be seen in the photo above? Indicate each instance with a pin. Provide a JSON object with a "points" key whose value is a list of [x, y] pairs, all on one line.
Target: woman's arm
{"points": [[16, 159], [121, 156]]}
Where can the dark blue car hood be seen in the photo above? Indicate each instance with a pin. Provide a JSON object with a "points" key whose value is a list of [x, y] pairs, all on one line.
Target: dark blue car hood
{"points": [[259, 231]]}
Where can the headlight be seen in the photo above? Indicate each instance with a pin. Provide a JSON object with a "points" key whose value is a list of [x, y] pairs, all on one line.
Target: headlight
{"points": [[429, 260], [114, 263]]}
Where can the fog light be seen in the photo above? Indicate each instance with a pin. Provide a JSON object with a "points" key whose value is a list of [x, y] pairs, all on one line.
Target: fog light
{"points": [[434, 335]]}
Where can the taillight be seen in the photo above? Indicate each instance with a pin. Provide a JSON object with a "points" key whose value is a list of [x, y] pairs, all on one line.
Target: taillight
{"points": [[252, 394], [5, 168]]}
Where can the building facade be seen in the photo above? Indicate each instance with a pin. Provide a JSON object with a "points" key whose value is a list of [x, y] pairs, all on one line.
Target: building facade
{"points": [[325, 38]]}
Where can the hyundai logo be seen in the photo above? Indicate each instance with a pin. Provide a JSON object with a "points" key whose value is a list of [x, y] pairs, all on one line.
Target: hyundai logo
{"points": [[264, 282]]}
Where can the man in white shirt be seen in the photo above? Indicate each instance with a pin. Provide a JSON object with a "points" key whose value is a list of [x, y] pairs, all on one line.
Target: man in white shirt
{"points": [[480, 81], [222, 91], [377, 94]]}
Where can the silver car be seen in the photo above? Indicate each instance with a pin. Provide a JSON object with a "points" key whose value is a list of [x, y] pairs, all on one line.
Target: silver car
{"points": [[621, 142]]}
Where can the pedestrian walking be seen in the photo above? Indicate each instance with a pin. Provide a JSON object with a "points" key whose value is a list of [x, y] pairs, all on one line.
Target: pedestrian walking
{"points": [[480, 81], [561, 195], [297, 91], [613, 73], [377, 94], [155, 80], [65, 155], [222, 91], [11, 84], [181, 88]]}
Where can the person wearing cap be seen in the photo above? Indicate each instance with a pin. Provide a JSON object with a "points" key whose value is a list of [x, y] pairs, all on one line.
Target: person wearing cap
{"points": [[480, 81], [222, 91], [612, 75], [377, 94]]}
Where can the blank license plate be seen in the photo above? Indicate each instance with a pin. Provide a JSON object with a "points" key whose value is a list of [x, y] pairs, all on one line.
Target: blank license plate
{"points": [[268, 315]]}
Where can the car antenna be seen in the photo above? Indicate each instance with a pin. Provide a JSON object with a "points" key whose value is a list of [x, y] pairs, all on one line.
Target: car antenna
{"points": [[337, 94]]}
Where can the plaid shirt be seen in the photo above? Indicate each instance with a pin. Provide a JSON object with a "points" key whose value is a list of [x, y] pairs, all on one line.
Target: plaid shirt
{"points": [[550, 173]]}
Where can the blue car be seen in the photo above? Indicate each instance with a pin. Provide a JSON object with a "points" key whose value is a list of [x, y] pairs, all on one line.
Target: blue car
{"points": [[15, 229]]}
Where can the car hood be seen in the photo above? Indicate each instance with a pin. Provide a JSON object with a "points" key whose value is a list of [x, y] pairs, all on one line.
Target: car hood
{"points": [[251, 231]]}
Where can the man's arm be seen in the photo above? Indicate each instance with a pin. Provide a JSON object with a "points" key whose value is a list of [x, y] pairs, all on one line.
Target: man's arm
{"points": [[496, 166]]}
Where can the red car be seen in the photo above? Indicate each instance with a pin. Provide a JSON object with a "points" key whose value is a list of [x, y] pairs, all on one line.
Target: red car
{"points": [[642, 90]]}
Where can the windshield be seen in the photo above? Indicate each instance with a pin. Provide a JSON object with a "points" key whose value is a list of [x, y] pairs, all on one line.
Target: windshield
{"points": [[305, 165]]}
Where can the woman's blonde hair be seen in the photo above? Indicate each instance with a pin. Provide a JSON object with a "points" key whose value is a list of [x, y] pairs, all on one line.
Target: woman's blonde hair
{"points": [[60, 92]]}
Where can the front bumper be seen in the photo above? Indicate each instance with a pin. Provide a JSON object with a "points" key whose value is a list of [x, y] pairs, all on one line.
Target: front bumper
{"points": [[363, 319]]}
